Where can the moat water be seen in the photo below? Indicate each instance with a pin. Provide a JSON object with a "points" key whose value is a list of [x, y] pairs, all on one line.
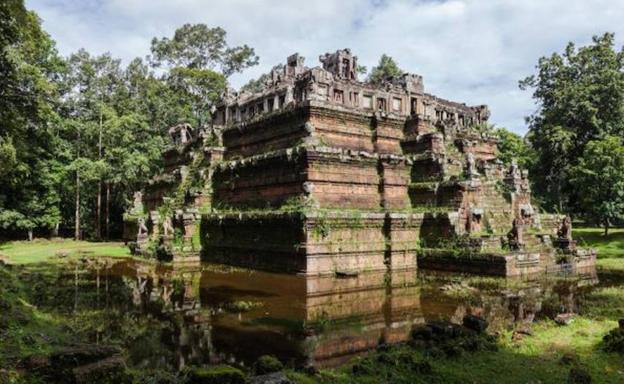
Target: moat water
{"points": [[177, 316]]}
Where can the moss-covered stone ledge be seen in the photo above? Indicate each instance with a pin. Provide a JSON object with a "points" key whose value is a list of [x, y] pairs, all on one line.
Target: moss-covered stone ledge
{"points": [[314, 241]]}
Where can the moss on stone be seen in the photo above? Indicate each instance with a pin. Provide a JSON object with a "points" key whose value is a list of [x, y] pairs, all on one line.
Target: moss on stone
{"points": [[267, 364], [221, 374]]}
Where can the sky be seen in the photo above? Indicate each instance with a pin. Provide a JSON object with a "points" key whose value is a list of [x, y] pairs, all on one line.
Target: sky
{"points": [[472, 51]]}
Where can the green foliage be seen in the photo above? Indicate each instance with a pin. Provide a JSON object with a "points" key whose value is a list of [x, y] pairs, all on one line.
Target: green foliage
{"points": [[580, 97], [222, 374], [267, 364], [28, 146], [513, 146], [321, 228], [198, 46], [107, 133], [599, 180], [81, 134], [614, 341], [8, 156], [504, 189], [256, 85], [386, 67], [199, 60]]}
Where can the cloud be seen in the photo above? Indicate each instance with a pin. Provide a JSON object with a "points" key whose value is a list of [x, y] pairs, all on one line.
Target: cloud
{"points": [[472, 51]]}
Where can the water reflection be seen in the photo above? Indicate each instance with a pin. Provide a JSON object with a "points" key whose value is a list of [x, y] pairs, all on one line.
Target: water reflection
{"points": [[211, 314]]}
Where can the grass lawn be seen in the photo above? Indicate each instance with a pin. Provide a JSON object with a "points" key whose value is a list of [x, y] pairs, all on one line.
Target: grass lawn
{"points": [[610, 246], [41, 250]]}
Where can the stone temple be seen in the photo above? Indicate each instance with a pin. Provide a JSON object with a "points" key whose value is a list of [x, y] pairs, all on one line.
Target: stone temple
{"points": [[319, 173]]}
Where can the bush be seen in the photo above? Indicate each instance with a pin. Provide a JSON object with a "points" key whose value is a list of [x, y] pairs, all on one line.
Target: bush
{"points": [[614, 341], [163, 253], [579, 375], [267, 364], [448, 339], [134, 248], [475, 323], [222, 374]]}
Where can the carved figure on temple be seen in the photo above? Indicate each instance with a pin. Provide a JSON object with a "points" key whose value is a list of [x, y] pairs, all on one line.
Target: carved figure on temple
{"points": [[471, 165], [514, 170], [515, 236], [565, 229], [142, 227], [167, 227], [181, 134], [138, 198]]}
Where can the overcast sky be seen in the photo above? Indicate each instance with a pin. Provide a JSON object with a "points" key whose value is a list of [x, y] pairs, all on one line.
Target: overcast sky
{"points": [[472, 51]]}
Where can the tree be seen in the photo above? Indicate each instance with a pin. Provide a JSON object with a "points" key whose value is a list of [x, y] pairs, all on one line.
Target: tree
{"points": [[599, 176], [513, 146], [108, 113], [256, 85], [199, 61], [79, 135], [386, 67], [198, 47], [28, 67], [580, 97]]}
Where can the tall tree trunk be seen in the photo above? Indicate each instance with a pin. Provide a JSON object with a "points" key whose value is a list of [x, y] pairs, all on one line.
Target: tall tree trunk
{"points": [[606, 227], [30, 235], [77, 216], [107, 214], [98, 210], [77, 227]]}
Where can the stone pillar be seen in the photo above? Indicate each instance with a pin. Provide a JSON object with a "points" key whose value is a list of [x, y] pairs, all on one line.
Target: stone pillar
{"points": [[289, 96], [189, 220], [155, 220]]}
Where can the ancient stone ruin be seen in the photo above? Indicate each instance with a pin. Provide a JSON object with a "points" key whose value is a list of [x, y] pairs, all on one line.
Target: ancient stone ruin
{"points": [[319, 173]]}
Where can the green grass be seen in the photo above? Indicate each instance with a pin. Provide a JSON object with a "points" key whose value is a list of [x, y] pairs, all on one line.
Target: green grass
{"points": [[534, 359], [611, 265], [41, 250], [25, 330], [610, 246]]}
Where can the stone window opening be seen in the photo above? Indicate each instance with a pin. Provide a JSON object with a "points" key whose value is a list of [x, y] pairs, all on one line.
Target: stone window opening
{"points": [[438, 115], [270, 104], [260, 108], [345, 68], [338, 96], [356, 99], [368, 101], [474, 224], [413, 106], [381, 104], [461, 120], [281, 101]]}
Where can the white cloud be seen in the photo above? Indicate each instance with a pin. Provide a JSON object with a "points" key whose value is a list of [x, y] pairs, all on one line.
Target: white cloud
{"points": [[472, 51]]}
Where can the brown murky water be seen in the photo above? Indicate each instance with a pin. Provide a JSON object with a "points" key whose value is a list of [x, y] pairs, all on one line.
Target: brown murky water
{"points": [[212, 313]]}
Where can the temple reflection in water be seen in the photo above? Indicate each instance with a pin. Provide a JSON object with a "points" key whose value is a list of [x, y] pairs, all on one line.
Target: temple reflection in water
{"points": [[211, 314]]}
